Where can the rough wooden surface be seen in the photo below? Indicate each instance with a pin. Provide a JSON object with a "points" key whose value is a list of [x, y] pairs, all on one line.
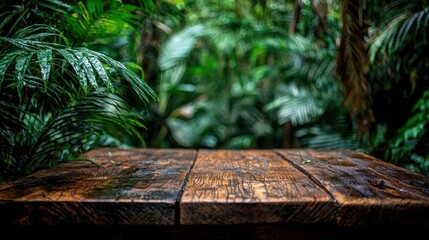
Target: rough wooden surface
{"points": [[251, 186], [187, 188], [369, 191], [120, 187]]}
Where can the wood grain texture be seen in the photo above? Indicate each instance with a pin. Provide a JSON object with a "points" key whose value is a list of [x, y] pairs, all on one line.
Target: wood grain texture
{"points": [[122, 187], [370, 192], [251, 186], [144, 187]]}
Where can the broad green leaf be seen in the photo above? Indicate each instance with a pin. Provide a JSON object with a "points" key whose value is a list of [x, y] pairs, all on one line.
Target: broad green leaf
{"points": [[21, 65], [4, 64], [98, 66], [88, 69], [69, 56], [44, 56]]}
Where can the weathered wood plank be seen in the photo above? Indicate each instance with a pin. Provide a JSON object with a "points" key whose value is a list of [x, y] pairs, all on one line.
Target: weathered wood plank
{"points": [[139, 186], [251, 186], [370, 192], [211, 232]]}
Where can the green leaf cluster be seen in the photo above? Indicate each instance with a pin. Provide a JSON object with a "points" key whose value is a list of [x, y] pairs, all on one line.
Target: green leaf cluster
{"points": [[399, 75], [58, 100]]}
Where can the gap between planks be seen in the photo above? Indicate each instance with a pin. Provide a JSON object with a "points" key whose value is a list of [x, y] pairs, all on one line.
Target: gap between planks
{"points": [[272, 205], [182, 189], [311, 177]]}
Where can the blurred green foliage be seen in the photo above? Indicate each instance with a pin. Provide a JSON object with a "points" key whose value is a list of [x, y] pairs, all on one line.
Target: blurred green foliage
{"points": [[255, 74], [233, 75]]}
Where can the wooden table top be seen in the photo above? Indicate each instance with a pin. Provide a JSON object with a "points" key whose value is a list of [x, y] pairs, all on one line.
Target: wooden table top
{"points": [[218, 187]]}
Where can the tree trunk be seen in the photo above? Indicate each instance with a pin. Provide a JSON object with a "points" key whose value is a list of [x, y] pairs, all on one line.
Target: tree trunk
{"points": [[296, 16], [320, 11]]}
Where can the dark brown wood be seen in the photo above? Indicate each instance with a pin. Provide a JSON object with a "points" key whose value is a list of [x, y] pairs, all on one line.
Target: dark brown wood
{"points": [[211, 232], [370, 192], [121, 187], [251, 186], [225, 193]]}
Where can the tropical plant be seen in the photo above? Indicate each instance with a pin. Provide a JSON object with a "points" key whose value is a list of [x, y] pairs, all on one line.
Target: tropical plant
{"points": [[57, 100], [399, 76], [383, 69]]}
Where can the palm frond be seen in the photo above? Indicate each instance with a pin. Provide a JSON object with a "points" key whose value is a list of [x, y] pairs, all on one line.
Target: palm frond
{"points": [[8, 15], [407, 21], [51, 5], [352, 64], [73, 129], [322, 139], [24, 13], [172, 58], [337, 134], [179, 46], [301, 57], [94, 20], [65, 100], [296, 105], [87, 64], [137, 83]]}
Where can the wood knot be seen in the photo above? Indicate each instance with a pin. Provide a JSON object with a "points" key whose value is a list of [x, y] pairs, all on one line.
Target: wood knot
{"points": [[378, 183]]}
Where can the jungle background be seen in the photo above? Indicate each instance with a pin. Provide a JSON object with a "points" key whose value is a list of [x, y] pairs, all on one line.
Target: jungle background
{"points": [[218, 74]]}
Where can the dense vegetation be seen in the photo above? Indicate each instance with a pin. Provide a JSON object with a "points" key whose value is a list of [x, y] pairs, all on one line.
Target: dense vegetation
{"points": [[75, 75]]}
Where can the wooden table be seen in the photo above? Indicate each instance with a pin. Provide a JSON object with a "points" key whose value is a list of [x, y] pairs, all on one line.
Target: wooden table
{"points": [[217, 194]]}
